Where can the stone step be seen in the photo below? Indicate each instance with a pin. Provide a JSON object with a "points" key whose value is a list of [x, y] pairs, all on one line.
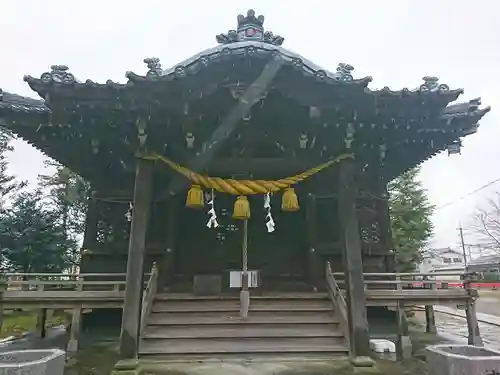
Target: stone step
{"points": [[256, 317], [234, 305], [166, 296], [247, 345], [241, 331], [272, 357]]}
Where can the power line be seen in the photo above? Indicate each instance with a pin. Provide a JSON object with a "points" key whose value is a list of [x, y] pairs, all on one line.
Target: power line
{"points": [[468, 194]]}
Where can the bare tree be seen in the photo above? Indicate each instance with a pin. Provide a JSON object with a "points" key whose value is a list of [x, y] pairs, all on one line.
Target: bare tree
{"points": [[486, 224]]}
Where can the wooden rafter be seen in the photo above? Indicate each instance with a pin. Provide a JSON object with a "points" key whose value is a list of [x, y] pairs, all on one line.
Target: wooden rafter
{"points": [[228, 125]]}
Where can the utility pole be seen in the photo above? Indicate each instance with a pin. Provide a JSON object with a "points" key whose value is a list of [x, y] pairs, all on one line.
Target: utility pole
{"points": [[463, 245]]}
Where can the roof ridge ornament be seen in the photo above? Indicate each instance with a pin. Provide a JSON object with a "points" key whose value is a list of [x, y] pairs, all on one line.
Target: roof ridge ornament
{"points": [[250, 28], [431, 85], [58, 74], [154, 66], [344, 72]]}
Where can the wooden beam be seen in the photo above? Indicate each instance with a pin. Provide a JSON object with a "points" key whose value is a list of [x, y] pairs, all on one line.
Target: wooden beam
{"points": [[228, 124], [282, 166], [113, 194], [129, 337]]}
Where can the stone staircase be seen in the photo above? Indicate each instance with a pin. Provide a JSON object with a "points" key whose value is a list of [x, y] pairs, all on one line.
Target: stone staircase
{"points": [[184, 327]]}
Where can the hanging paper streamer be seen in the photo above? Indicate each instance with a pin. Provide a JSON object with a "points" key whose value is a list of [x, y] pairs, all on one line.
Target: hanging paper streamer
{"points": [[269, 218], [212, 221], [128, 215]]}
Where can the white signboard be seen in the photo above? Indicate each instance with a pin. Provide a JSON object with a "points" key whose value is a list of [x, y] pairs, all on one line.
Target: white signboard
{"points": [[236, 276]]}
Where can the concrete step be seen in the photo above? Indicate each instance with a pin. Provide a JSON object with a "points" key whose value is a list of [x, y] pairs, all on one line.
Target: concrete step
{"points": [[234, 305], [241, 331], [247, 345], [256, 317]]}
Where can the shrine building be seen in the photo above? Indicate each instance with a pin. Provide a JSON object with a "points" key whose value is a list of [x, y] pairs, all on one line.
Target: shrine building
{"points": [[244, 157]]}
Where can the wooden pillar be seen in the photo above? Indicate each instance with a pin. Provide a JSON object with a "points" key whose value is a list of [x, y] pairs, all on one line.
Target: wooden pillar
{"points": [[74, 333], [90, 235], [167, 267], [129, 337], [430, 318], [384, 217], [403, 342], [353, 263], [90, 232], [3, 288], [312, 256], [76, 323], [474, 337], [41, 323]]}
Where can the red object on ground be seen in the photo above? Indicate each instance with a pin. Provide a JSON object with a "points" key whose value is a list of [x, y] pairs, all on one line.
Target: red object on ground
{"points": [[494, 285]]}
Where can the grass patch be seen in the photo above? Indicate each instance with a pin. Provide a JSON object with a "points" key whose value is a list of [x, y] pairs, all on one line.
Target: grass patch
{"points": [[99, 359], [15, 323]]}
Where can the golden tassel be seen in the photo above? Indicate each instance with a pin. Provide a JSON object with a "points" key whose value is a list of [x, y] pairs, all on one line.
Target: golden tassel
{"points": [[195, 197], [241, 208], [290, 202]]}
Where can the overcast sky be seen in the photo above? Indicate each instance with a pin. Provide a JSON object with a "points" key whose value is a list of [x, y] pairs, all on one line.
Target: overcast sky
{"points": [[396, 42]]}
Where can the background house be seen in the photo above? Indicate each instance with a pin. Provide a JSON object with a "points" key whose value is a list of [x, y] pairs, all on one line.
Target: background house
{"points": [[441, 258]]}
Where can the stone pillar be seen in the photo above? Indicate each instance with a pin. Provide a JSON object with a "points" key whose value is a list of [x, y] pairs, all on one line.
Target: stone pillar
{"points": [[353, 263], [129, 338]]}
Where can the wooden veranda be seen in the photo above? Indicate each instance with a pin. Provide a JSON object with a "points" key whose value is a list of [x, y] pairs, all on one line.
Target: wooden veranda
{"points": [[79, 292]]}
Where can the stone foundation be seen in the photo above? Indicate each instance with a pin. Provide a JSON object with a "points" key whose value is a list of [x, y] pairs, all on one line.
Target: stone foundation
{"points": [[36, 362], [462, 360]]}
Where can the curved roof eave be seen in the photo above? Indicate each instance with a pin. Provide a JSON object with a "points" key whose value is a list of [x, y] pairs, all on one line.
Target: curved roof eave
{"points": [[342, 76], [18, 103], [60, 75], [247, 48]]}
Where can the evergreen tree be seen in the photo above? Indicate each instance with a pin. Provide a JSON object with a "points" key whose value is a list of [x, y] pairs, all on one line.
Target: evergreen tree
{"points": [[8, 184], [411, 223], [68, 194], [31, 236]]}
